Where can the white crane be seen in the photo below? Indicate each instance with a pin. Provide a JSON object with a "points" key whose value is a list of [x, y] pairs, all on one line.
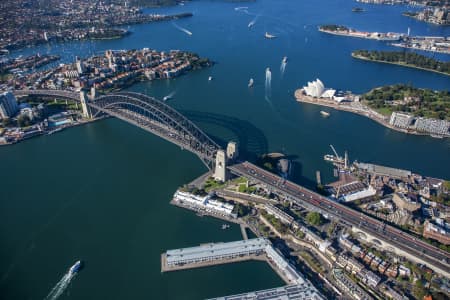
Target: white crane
{"points": [[335, 153]]}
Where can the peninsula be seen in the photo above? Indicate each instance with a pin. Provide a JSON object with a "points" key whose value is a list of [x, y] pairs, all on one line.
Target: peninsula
{"points": [[399, 107], [404, 59], [345, 31], [102, 74], [39, 22]]}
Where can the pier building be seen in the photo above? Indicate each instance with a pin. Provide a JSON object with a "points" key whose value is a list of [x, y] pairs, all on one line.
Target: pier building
{"points": [[216, 252], [303, 291]]}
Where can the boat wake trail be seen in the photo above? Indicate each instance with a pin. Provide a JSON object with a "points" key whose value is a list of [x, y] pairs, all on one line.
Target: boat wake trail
{"points": [[61, 286], [170, 96], [283, 67], [268, 81], [182, 29], [253, 22]]}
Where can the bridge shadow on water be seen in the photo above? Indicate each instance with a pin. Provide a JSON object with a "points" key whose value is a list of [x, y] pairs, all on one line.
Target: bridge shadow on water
{"points": [[298, 176], [251, 140]]}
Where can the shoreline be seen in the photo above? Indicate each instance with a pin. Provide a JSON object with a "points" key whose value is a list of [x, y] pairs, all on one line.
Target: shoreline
{"points": [[398, 64], [79, 123], [420, 49], [349, 34], [368, 112]]}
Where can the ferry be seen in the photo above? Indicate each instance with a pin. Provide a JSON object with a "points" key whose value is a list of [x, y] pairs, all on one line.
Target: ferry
{"points": [[250, 82], [75, 268], [324, 113], [269, 36]]}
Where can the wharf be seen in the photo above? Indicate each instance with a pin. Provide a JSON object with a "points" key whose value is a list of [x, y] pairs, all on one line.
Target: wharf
{"points": [[244, 231], [166, 268], [201, 212]]}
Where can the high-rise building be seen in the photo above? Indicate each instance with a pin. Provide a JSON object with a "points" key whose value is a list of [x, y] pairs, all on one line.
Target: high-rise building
{"points": [[8, 105], [79, 65]]}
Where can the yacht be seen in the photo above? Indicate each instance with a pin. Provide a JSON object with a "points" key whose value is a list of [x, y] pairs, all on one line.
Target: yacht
{"points": [[250, 82], [284, 61], [210, 78], [269, 36], [324, 113]]}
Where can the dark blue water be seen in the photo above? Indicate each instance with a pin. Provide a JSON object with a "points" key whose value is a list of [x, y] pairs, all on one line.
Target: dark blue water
{"points": [[100, 192]]}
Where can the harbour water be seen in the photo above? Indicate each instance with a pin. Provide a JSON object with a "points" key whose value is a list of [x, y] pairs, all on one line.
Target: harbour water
{"points": [[100, 192]]}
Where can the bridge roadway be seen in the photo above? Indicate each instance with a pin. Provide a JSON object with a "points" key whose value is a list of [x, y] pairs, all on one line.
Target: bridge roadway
{"points": [[49, 93], [304, 197]]}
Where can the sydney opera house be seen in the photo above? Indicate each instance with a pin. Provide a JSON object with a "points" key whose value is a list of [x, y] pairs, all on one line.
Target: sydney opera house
{"points": [[316, 89]]}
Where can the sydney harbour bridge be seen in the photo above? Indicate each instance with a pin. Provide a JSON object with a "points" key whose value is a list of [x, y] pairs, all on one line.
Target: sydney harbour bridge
{"points": [[145, 112]]}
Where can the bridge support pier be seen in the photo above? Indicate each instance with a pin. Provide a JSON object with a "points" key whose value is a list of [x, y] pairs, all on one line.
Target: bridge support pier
{"points": [[84, 107], [221, 172]]}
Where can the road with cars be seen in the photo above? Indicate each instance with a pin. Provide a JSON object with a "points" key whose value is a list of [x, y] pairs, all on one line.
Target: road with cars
{"points": [[311, 200]]}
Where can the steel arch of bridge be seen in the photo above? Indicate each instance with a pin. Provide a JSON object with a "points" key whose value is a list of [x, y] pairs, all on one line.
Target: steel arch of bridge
{"points": [[158, 118]]}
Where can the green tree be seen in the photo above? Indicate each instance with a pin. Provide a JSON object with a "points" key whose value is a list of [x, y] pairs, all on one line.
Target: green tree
{"points": [[447, 185], [6, 122], [268, 166], [419, 289], [23, 121], [314, 218]]}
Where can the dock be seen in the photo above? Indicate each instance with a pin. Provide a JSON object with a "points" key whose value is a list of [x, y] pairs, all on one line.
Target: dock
{"points": [[166, 268], [244, 231], [214, 254]]}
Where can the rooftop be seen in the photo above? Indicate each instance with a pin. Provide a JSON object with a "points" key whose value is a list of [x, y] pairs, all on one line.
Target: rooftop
{"points": [[216, 249], [304, 291]]}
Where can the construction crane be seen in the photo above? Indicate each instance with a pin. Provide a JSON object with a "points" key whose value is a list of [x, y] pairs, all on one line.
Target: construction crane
{"points": [[337, 193], [335, 153]]}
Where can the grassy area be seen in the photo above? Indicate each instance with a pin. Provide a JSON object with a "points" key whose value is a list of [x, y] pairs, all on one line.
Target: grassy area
{"points": [[312, 262], [244, 189], [276, 223], [385, 111], [239, 180], [212, 184]]}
